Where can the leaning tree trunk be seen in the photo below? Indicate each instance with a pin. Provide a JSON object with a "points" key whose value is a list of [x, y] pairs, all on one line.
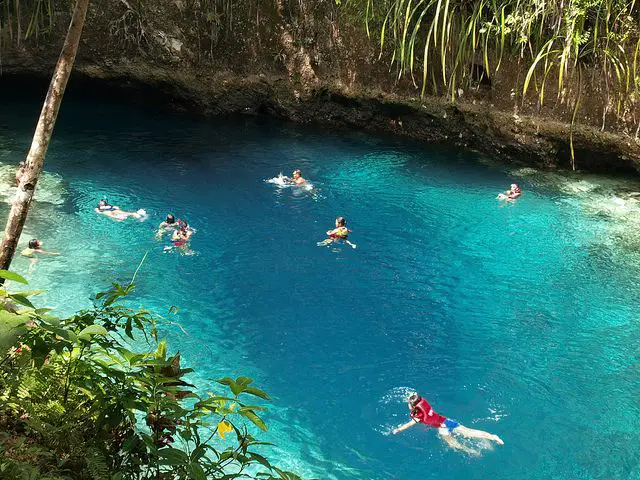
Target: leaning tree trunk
{"points": [[42, 136]]}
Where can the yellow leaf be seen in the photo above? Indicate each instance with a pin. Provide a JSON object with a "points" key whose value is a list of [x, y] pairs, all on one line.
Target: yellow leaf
{"points": [[224, 428]]}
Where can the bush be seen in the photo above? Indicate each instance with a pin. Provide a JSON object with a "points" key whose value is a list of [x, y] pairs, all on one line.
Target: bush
{"points": [[79, 401]]}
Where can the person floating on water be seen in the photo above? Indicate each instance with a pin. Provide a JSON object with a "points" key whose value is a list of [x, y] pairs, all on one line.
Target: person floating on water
{"points": [[340, 233], [35, 247], [421, 412], [168, 225], [514, 192], [296, 178], [116, 213]]}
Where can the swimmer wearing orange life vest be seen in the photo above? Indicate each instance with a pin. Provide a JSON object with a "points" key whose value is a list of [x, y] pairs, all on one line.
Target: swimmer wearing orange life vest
{"points": [[340, 233], [421, 412]]}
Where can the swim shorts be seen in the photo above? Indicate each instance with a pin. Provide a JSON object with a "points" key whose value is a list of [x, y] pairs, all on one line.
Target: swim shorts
{"points": [[450, 425]]}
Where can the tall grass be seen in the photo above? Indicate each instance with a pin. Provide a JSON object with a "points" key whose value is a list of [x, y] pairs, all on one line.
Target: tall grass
{"points": [[22, 19], [444, 44]]}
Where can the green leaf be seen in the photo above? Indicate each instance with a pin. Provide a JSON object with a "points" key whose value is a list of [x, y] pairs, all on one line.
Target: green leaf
{"points": [[11, 327], [93, 330], [196, 472], [7, 275], [244, 380], [260, 459], [253, 418], [22, 300], [173, 456], [257, 392]]}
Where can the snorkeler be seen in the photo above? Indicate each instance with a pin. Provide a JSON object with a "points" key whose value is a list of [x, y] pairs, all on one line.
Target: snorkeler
{"points": [[35, 246], [166, 226], [114, 211], [421, 412], [340, 233], [296, 178], [514, 192]]}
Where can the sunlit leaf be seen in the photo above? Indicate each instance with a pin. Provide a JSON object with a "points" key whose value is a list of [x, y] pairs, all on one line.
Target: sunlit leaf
{"points": [[224, 428], [7, 275]]}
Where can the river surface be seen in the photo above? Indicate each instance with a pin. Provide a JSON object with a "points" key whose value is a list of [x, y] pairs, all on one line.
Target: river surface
{"points": [[519, 319]]}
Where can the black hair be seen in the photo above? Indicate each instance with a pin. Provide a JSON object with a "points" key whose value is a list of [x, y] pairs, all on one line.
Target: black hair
{"points": [[414, 399], [171, 218], [33, 243], [341, 221]]}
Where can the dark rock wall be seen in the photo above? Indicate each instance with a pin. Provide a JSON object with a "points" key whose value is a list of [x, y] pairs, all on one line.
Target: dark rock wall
{"points": [[311, 61]]}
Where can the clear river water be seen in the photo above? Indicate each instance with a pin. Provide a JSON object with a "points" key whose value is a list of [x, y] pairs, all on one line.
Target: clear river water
{"points": [[522, 319]]}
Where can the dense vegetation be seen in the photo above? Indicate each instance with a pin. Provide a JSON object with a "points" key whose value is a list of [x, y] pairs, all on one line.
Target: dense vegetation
{"points": [[572, 47], [98, 396]]}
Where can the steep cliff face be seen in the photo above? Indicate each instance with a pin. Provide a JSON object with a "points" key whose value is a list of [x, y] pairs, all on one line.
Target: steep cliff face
{"points": [[310, 61]]}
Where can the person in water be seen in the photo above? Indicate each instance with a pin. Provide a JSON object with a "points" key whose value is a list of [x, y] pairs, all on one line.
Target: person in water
{"points": [[182, 235], [35, 247], [421, 412], [113, 211], [340, 233], [514, 192], [166, 226], [296, 178]]}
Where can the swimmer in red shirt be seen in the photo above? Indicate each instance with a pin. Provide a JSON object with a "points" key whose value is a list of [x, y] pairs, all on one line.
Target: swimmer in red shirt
{"points": [[421, 412]]}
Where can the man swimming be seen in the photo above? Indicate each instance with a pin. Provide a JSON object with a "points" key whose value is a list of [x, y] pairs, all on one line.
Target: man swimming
{"points": [[116, 213], [35, 247], [296, 178], [340, 233], [421, 412]]}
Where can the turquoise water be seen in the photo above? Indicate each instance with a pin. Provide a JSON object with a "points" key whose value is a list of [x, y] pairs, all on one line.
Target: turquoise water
{"points": [[520, 320]]}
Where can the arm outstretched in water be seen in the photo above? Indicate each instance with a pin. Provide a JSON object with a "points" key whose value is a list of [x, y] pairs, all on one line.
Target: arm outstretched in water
{"points": [[402, 428]]}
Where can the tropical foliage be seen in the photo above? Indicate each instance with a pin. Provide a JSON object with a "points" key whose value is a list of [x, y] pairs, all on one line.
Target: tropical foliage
{"points": [[98, 396], [443, 44]]}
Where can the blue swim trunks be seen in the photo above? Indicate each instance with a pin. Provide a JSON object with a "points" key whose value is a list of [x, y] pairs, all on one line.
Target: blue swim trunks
{"points": [[450, 425]]}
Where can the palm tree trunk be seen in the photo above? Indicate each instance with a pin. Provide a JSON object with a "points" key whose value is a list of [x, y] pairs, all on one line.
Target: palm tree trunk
{"points": [[42, 136]]}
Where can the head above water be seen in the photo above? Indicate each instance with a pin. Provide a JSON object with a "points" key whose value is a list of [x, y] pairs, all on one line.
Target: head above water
{"points": [[103, 203], [514, 186], [340, 222], [297, 173], [414, 399], [170, 219], [182, 224], [35, 243]]}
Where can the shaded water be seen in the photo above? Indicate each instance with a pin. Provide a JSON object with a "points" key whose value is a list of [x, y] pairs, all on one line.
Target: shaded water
{"points": [[521, 320]]}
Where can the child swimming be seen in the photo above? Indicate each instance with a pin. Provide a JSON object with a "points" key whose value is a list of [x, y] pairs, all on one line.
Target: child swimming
{"points": [[340, 233], [421, 412]]}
